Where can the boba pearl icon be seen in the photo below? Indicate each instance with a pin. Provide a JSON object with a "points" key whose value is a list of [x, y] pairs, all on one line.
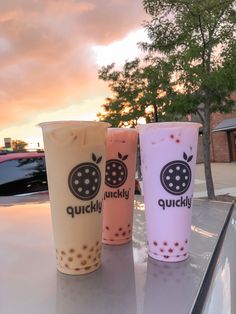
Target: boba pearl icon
{"points": [[116, 171], [176, 176], [85, 179]]}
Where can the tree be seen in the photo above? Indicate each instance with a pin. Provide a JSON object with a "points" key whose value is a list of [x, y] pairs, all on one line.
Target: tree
{"points": [[198, 38], [18, 145], [139, 90]]}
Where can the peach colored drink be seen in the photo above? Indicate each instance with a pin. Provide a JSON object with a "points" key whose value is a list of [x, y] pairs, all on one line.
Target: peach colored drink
{"points": [[119, 186], [168, 158], [75, 160]]}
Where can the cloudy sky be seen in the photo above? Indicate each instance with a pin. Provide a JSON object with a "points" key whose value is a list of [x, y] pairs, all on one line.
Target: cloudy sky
{"points": [[50, 52]]}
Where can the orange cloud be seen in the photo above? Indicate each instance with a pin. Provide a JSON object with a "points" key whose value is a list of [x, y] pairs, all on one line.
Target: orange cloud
{"points": [[46, 58]]}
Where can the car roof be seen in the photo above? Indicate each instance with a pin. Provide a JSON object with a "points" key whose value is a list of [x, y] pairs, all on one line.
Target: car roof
{"points": [[12, 156]]}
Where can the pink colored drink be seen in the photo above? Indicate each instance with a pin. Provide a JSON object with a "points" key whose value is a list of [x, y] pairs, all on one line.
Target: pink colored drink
{"points": [[119, 186], [168, 157]]}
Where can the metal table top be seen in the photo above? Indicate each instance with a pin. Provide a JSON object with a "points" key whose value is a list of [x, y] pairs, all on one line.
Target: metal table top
{"points": [[128, 282]]}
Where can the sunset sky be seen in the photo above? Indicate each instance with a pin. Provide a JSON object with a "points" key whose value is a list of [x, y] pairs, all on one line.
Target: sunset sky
{"points": [[50, 52]]}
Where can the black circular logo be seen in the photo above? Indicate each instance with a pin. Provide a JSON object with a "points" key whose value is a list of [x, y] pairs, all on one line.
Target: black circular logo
{"points": [[116, 172], [176, 177], [85, 180]]}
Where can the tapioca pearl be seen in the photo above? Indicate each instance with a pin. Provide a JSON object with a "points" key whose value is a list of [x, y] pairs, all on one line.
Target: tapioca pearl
{"points": [[80, 189], [170, 250], [116, 234], [172, 136], [63, 253], [89, 256], [177, 178], [87, 170], [87, 181], [119, 179], [177, 188], [113, 165], [79, 255], [182, 248], [184, 170], [83, 262], [128, 225], [114, 181], [93, 188], [165, 243], [70, 259], [122, 173], [170, 185], [108, 179], [87, 267], [168, 178], [96, 180], [124, 233], [76, 182], [72, 251], [171, 170], [91, 250], [186, 241], [94, 260], [107, 228], [66, 266], [166, 256], [186, 177], [85, 247], [129, 231], [97, 243], [119, 167], [77, 269], [120, 229], [155, 243], [113, 173], [79, 174], [87, 192], [161, 250], [183, 184], [176, 244], [185, 254], [177, 141], [177, 168]]}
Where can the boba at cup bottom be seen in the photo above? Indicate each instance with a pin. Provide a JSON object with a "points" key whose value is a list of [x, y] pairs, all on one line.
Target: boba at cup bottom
{"points": [[168, 258], [117, 241], [79, 271]]}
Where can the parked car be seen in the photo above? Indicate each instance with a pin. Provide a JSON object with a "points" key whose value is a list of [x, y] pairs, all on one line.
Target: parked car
{"points": [[22, 173]]}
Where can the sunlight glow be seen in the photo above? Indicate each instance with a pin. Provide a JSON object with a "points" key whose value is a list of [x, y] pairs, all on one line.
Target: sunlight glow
{"points": [[120, 51]]}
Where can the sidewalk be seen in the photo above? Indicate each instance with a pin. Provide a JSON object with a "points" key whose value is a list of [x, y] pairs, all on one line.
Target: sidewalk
{"points": [[224, 178]]}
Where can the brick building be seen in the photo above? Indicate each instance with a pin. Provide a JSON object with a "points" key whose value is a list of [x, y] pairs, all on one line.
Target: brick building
{"points": [[223, 138]]}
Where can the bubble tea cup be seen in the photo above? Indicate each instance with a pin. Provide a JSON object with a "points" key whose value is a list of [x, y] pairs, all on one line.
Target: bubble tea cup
{"points": [[75, 161], [168, 160], [119, 185]]}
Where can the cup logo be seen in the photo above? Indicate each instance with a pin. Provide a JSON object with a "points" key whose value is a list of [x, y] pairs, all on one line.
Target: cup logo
{"points": [[116, 172], [176, 176], [85, 179]]}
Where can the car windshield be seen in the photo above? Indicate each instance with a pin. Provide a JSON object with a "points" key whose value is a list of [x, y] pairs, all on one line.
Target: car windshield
{"points": [[17, 169]]}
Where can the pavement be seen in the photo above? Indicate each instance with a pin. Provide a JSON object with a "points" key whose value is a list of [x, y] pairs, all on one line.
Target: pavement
{"points": [[224, 178]]}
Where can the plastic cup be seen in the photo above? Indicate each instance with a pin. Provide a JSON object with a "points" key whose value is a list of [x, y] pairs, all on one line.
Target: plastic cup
{"points": [[168, 162], [119, 186], [75, 162]]}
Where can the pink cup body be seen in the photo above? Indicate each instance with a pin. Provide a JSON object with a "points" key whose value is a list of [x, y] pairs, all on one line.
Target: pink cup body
{"points": [[119, 186], [168, 160]]}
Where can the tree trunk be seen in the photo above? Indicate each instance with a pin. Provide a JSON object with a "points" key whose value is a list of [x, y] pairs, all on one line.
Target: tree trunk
{"points": [[206, 152], [155, 112]]}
